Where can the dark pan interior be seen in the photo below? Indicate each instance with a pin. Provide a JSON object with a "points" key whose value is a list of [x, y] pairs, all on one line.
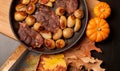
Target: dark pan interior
{"points": [[70, 42]]}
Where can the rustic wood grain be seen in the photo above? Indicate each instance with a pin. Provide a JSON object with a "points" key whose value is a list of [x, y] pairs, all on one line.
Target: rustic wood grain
{"points": [[4, 18], [5, 29]]}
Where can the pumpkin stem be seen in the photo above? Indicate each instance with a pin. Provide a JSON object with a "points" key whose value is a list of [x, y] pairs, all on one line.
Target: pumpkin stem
{"points": [[102, 10], [98, 29]]}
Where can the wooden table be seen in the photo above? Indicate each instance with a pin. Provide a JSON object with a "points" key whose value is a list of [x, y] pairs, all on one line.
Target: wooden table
{"points": [[6, 30]]}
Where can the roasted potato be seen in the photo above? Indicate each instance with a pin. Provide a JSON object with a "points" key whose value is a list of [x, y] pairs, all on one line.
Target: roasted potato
{"points": [[37, 26], [20, 15], [24, 1], [63, 22], [33, 1], [60, 43], [57, 34], [77, 25], [30, 20], [30, 8], [46, 34], [78, 13], [49, 4], [43, 1], [20, 7], [52, 0], [60, 11], [49, 43], [71, 21], [67, 33]]}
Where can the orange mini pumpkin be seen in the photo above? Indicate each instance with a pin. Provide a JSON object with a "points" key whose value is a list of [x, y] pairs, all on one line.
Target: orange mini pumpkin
{"points": [[97, 29], [102, 10]]}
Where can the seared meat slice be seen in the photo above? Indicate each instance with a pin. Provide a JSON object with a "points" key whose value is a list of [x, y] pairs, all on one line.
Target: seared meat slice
{"points": [[60, 3], [69, 5], [48, 18], [29, 36]]}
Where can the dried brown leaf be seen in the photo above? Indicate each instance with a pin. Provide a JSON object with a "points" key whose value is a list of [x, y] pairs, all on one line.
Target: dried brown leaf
{"points": [[80, 56]]}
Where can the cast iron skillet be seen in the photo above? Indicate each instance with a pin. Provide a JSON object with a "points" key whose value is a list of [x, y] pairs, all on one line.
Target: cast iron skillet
{"points": [[71, 42]]}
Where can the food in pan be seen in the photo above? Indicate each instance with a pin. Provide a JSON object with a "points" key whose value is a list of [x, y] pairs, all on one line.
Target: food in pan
{"points": [[60, 11], [49, 43], [71, 21], [47, 22], [60, 43], [24, 1], [77, 25], [63, 22], [29, 36], [79, 13], [30, 20], [20, 15], [30, 8], [67, 32], [20, 7]]}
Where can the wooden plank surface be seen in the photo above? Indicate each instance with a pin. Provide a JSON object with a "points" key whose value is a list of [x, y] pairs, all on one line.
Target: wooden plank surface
{"points": [[6, 30], [4, 18]]}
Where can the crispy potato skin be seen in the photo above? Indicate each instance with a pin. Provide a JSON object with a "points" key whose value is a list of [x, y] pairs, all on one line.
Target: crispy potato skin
{"points": [[63, 22], [24, 1], [71, 21], [49, 43], [30, 20], [20, 15], [57, 34], [60, 11], [79, 13], [30, 8], [60, 43], [77, 25], [20, 7], [68, 32]]}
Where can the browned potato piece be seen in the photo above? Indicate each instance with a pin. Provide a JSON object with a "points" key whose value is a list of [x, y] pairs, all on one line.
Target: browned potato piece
{"points": [[79, 13], [43, 1], [63, 22], [60, 11], [20, 15], [49, 43], [52, 0], [20, 7], [24, 1], [77, 25], [49, 4], [46, 34], [57, 34], [68, 32], [60, 43], [34, 1], [37, 26], [30, 20], [30, 8], [71, 21]]}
